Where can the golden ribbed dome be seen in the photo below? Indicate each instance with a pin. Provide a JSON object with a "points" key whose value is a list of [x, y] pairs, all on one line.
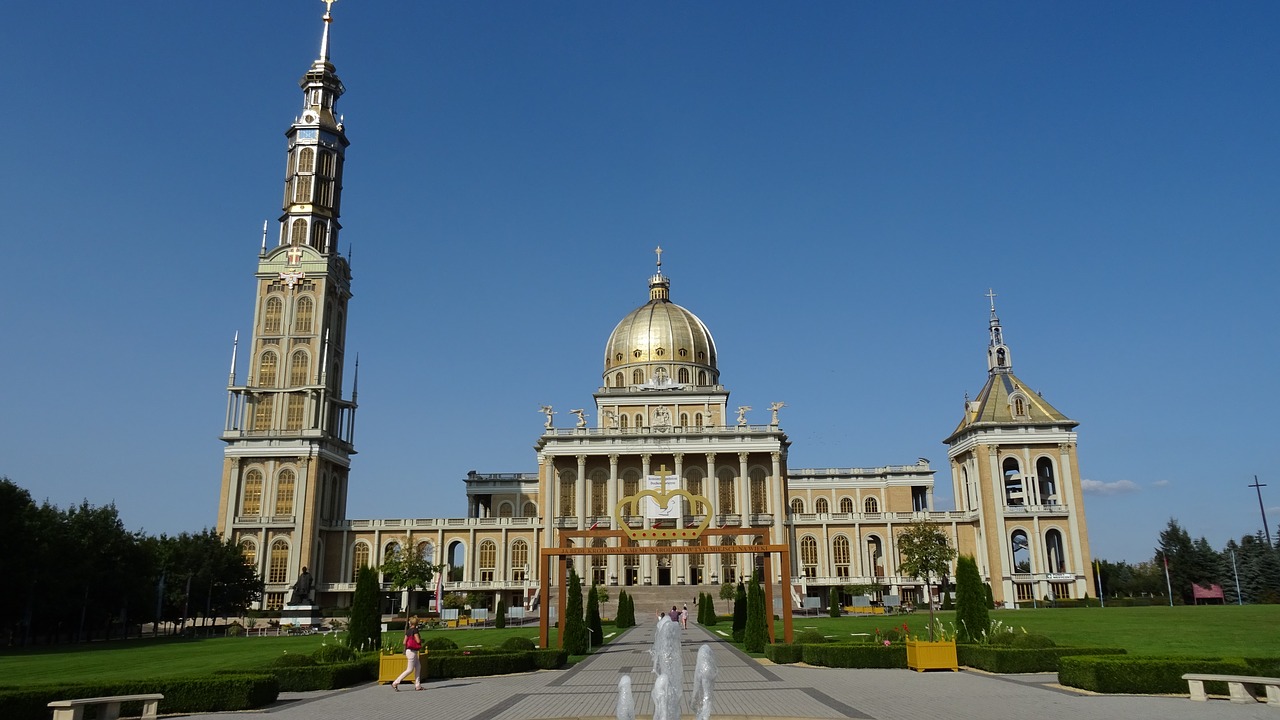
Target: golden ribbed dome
{"points": [[660, 345]]}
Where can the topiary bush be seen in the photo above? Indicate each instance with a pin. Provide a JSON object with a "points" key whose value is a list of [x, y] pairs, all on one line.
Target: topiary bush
{"points": [[218, 692], [1022, 660], [1031, 640], [849, 655], [518, 644], [293, 660], [330, 654], [810, 636], [784, 653], [439, 643], [1144, 674]]}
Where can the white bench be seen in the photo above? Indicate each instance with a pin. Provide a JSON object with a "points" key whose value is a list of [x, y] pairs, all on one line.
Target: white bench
{"points": [[74, 709], [1237, 684]]}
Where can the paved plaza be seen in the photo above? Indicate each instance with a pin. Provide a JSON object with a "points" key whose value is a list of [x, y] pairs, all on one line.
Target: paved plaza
{"points": [[745, 688]]}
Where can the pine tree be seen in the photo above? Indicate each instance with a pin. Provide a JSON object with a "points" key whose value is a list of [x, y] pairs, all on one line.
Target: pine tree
{"points": [[576, 635], [365, 631], [593, 617], [739, 613], [754, 636], [973, 617], [500, 616], [833, 603]]}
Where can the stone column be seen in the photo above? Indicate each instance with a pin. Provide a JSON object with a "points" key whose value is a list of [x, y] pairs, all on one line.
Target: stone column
{"points": [[744, 489], [582, 486], [614, 562]]}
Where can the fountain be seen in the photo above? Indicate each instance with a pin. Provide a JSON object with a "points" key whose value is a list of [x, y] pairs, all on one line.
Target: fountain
{"points": [[668, 666]]}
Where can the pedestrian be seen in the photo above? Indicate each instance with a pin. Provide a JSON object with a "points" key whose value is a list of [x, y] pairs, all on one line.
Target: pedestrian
{"points": [[674, 614], [684, 617], [412, 646]]}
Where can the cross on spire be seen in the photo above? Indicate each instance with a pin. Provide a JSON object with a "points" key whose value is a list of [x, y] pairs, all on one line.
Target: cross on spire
{"points": [[328, 5], [991, 295], [659, 251]]}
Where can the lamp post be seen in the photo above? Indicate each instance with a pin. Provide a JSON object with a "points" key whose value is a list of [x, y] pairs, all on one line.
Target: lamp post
{"points": [[1258, 486]]}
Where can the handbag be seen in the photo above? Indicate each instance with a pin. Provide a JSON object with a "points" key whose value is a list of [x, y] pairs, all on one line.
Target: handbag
{"points": [[411, 642]]}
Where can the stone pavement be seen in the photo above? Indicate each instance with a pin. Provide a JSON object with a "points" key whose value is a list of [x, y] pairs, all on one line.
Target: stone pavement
{"points": [[745, 688]]}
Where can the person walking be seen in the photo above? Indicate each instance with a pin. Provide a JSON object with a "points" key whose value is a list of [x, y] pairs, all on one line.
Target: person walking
{"points": [[684, 617], [412, 646]]}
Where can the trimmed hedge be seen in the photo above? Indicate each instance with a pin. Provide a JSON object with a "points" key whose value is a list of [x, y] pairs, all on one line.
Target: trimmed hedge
{"points": [[213, 693], [326, 677], [1022, 660], [475, 663], [1144, 674], [784, 653], [846, 655]]}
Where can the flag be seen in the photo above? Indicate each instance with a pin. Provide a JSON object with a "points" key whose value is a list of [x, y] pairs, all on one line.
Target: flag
{"points": [[594, 525]]}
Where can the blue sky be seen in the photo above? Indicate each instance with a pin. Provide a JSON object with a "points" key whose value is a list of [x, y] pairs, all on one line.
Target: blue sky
{"points": [[836, 185]]}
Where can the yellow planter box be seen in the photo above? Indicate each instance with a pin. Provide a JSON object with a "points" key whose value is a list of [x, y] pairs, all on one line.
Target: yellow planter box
{"points": [[924, 655], [390, 666]]}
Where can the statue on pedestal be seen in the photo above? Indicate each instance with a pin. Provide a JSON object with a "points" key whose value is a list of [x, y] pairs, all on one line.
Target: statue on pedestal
{"points": [[301, 589]]}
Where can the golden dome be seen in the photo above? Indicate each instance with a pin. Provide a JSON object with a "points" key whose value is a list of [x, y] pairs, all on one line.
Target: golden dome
{"points": [[660, 346]]}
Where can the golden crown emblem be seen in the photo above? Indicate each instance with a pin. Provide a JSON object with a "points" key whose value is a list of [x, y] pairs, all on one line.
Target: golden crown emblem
{"points": [[663, 498]]}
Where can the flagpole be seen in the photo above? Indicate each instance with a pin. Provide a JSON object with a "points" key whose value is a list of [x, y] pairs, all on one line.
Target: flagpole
{"points": [[1167, 583], [1097, 574]]}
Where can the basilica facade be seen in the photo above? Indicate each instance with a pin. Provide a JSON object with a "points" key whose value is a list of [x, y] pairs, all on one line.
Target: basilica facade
{"points": [[662, 428]]}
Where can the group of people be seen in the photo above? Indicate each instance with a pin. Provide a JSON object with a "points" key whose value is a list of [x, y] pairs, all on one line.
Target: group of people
{"points": [[677, 615]]}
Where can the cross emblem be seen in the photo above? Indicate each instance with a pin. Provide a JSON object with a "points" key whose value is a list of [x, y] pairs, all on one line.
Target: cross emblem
{"points": [[292, 278], [991, 295], [295, 255], [328, 5]]}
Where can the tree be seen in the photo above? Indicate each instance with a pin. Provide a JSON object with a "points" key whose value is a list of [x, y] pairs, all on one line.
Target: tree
{"points": [[755, 634], [728, 592], [408, 570], [739, 612], [973, 617], [576, 634], [500, 617], [1175, 553], [926, 553], [833, 603], [593, 617], [365, 630]]}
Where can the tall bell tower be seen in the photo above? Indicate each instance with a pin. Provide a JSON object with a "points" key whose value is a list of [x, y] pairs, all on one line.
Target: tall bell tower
{"points": [[289, 430]]}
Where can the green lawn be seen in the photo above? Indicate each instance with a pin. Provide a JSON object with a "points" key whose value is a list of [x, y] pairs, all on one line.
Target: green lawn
{"points": [[171, 657], [1251, 630], [1183, 630]]}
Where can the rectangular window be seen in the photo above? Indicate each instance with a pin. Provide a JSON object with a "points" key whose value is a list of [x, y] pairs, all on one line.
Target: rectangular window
{"points": [[275, 600], [297, 403]]}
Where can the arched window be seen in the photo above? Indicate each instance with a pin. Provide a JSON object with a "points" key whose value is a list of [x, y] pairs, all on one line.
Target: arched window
{"points": [[637, 377], [759, 500], [278, 566], [390, 550], [871, 505], [284, 492], [505, 509], [251, 503], [599, 493], [639, 420], [303, 315], [295, 411], [530, 510], [1019, 408], [840, 555], [267, 366], [728, 503], [271, 316], [1053, 550], [1048, 482], [567, 494], [797, 506], [617, 380], [875, 556], [702, 377], [519, 560], [249, 551], [306, 160], [359, 559], [846, 505], [694, 484], [426, 551], [630, 486], [488, 560], [684, 419], [298, 232], [318, 229], [697, 420], [682, 376], [821, 507], [809, 556], [623, 422], [1020, 550], [299, 366], [1014, 492]]}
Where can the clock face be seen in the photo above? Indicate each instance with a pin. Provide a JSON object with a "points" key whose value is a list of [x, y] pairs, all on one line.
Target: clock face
{"points": [[308, 134]]}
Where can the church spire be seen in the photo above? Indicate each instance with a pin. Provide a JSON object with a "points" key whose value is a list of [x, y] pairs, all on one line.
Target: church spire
{"points": [[998, 360], [659, 285]]}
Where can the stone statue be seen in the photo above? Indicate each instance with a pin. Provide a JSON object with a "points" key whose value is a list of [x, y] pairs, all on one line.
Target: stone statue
{"points": [[301, 589], [546, 409], [742, 414], [774, 408], [582, 417], [611, 418], [662, 418]]}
